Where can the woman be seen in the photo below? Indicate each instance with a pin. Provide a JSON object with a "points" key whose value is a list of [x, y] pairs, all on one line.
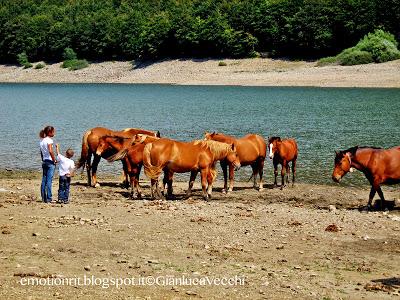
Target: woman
{"points": [[48, 162]]}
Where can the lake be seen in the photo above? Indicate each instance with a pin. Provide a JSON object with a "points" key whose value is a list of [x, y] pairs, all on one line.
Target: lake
{"points": [[322, 120]]}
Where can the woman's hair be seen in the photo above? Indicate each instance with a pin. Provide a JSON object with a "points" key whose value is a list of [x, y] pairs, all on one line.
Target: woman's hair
{"points": [[42, 135], [47, 130]]}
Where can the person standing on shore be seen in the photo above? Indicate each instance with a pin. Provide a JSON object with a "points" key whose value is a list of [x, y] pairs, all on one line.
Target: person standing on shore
{"points": [[48, 162], [66, 168]]}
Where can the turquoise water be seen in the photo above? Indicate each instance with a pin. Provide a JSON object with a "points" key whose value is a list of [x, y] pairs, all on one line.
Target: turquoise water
{"points": [[321, 119]]}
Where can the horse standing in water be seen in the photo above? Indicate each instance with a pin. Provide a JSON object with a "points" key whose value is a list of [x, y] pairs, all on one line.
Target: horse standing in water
{"points": [[198, 156], [380, 166], [132, 156], [90, 142], [251, 150], [283, 152]]}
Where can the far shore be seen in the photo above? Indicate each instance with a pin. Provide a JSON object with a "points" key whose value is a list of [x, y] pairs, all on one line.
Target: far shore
{"points": [[242, 72]]}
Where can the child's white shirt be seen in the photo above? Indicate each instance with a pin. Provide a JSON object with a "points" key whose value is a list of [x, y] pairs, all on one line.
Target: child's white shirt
{"points": [[65, 165]]}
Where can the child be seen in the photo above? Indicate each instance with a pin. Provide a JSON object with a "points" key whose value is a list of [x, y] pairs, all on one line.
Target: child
{"points": [[66, 168]]}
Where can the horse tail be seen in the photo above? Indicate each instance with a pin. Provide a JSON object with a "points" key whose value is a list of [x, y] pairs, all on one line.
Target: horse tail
{"points": [[85, 150], [119, 155], [251, 177], [153, 172], [158, 134]]}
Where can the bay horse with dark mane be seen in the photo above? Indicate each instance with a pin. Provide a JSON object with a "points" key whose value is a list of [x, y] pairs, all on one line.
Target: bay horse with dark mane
{"points": [[251, 150], [283, 152], [90, 142], [179, 157], [131, 153], [380, 166]]}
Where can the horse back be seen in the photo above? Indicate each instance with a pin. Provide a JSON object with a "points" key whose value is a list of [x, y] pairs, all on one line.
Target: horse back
{"points": [[250, 148]]}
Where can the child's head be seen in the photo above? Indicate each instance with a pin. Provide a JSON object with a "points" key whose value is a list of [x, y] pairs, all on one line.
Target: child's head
{"points": [[69, 153]]}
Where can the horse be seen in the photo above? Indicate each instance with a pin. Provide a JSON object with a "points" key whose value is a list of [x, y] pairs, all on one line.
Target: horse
{"points": [[131, 154], [90, 142], [380, 166], [283, 152], [251, 150], [198, 156]]}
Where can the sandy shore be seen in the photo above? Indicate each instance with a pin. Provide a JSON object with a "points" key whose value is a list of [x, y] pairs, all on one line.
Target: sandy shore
{"points": [[306, 242], [247, 72]]}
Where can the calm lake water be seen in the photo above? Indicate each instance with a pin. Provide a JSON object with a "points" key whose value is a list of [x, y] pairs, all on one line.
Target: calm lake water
{"points": [[321, 119]]}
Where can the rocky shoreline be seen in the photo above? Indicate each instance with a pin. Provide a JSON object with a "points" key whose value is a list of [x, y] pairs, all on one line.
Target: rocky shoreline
{"points": [[246, 72]]}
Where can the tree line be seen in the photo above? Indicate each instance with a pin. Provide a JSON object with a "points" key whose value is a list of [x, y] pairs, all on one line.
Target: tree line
{"points": [[152, 29]]}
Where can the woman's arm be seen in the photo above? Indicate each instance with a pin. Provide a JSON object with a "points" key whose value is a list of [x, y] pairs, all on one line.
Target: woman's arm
{"points": [[50, 147]]}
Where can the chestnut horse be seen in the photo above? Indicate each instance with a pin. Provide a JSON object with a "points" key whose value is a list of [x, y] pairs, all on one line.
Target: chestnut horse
{"points": [[251, 150], [90, 142], [283, 152], [198, 156], [131, 154], [380, 166]]}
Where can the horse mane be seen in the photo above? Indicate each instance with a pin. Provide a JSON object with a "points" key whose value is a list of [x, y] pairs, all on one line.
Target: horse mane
{"points": [[354, 149], [119, 155], [144, 136], [217, 148], [274, 138], [118, 138]]}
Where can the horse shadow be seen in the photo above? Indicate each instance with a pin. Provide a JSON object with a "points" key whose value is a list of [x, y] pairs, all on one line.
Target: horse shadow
{"points": [[393, 282], [390, 206]]}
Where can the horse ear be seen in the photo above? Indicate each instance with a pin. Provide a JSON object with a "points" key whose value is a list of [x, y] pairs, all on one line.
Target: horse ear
{"points": [[213, 133], [336, 153], [158, 134]]}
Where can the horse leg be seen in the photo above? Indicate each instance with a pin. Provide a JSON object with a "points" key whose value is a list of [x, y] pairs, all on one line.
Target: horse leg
{"points": [[254, 169], [193, 175], [260, 173], [287, 172], [133, 185], [125, 181], [224, 167], [283, 171], [275, 173], [89, 168], [371, 197], [95, 163], [293, 170], [210, 184], [380, 193], [169, 189], [204, 172], [136, 172], [231, 177]]}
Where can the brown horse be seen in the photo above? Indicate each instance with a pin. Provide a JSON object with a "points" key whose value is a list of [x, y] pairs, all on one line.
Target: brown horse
{"points": [[380, 166], [251, 150], [131, 154], [198, 156], [283, 152], [90, 142]]}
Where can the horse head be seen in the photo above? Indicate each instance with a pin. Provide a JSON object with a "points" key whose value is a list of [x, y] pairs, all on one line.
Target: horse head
{"points": [[342, 165], [233, 158], [208, 135], [273, 143], [102, 146]]}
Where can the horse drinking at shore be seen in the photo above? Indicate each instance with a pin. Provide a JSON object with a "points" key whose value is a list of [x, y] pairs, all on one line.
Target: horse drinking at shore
{"points": [[251, 150], [131, 154], [380, 166], [179, 157], [90, 142], [283, 152]]}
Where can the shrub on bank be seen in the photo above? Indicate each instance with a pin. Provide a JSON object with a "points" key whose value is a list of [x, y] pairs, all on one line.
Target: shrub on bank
{"points": [[379, 46], [75, 64], [40, 66], [72, 62], [23, 60]]}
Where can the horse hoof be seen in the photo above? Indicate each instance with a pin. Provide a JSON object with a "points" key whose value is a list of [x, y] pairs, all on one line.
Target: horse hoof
{"points": [[209, 196], [223, 191], [97, 185], [260, 189]]}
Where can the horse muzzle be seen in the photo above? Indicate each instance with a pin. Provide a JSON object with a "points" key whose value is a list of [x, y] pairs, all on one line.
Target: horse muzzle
{"points": [[236, 166], [98, 153], [271, 156], [336, 178]]}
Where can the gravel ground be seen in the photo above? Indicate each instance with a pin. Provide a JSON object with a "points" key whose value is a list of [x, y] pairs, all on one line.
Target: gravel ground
{"points": [[305, 242]]}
